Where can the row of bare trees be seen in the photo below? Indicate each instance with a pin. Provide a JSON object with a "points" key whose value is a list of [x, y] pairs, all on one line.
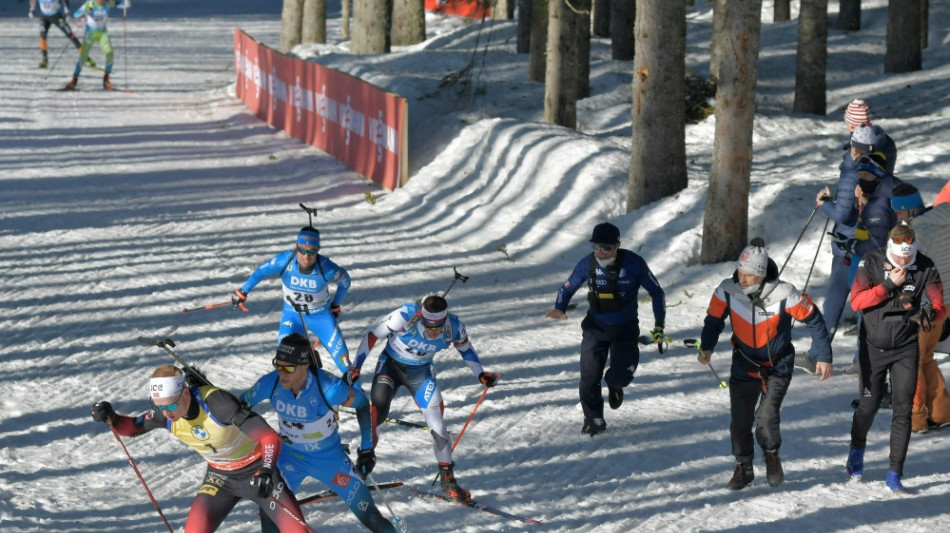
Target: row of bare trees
{"points": [[556, 34]]}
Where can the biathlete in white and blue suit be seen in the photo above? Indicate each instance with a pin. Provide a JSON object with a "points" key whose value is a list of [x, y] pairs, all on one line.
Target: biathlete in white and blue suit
{"points": [[304, 399], [306, 277], [415, 334]]}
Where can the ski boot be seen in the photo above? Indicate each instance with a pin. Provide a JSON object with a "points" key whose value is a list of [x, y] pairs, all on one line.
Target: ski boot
{"points": [[450, 487], [106, 84], [43, 62], [72, 84]]}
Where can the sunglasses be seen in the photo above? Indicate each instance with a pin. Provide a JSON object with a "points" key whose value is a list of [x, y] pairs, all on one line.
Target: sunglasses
{"points": [[903, 240], [433, 325], [602, 248], [308, 253], [284, 369], [171, 406]]}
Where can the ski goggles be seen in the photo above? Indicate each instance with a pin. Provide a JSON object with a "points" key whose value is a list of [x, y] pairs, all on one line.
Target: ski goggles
{"points": [[171, 406], [435, 324], [284, 369], [602, 247], [308, 253], [902, 240]]}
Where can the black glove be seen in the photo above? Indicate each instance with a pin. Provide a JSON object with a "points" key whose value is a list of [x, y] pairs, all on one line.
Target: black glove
{"points": [[264, 481], [239, 297], [488, 379], [844, 243], [352, 374], [335, 309], [102, 412], [365, 461]]}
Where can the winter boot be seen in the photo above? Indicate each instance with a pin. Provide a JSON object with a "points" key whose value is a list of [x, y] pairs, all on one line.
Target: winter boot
{"points": [[855, 464], [742, 476], [773, 469], [43, 62], [893, 483], [72, 84], [593, 427], [106, 84], [614, 397], [450, 486]]}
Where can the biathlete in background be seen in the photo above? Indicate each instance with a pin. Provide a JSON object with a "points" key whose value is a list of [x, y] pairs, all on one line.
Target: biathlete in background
{"points": [[239, 446], [54, 12], [305, 399], [96, 13], [306, 277], [415, 333]]}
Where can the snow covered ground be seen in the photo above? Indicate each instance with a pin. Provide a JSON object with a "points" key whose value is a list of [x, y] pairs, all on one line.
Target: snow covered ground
{"points": [[119, 209]]}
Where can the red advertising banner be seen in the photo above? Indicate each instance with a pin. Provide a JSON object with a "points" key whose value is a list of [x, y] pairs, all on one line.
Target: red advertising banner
{"points": [[360, 124], [464, 8]]}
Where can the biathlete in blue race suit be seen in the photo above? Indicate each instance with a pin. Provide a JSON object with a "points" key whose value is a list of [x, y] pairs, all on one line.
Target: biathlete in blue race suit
{"points": [[304, 399], [613, 277], [306, 277], [415, 333], [53, 12]]}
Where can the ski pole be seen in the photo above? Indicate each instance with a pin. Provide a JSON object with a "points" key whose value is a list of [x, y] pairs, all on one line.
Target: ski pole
{"points": [[694, 343], [233, 303], [397, 520], [470, 417], [142, 479], [815, 259], [455, 278], [58, 57], [125, 49], [166, 345], [800, 235]]}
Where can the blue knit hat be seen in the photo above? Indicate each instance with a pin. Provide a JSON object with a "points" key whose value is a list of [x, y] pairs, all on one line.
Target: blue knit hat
{"points": [[906, 197], [309, 235]]}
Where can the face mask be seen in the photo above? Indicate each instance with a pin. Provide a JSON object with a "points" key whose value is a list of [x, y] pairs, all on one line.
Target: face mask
{"points": [[752, 289], [867, 186], [604, 263]]}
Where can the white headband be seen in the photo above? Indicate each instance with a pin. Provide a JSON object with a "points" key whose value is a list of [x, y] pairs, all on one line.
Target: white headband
{"points": [[167, 387], [434, 317]]}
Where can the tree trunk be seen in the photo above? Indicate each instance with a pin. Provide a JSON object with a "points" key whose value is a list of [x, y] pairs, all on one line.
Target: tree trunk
{"points": [[726, 220], [602, 17], [409, 22], [715, 45], [345, 16], [314, 26], [582, 46], [525, 7], [371, 26], [658, 158], [537, 61], [782, 11], [849, 15], [924, 24], [812, 58], [503, 9], [903, 37], [622, 14], [291, 21], [560, 79]]}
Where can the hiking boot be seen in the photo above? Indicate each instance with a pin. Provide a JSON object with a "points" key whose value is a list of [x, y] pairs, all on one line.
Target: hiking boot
{"points": [[741, 477], [72, 84], [450, 487], [614, 397], [593, 427], [43, 63], [852, 370], [893, 482], [855, 464], [106, 84], [773, 469], [805, 363]]}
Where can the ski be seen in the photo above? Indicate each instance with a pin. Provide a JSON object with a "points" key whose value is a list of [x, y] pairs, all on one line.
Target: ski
{"points": [[475, 505], [329, 494], [394, 421]]}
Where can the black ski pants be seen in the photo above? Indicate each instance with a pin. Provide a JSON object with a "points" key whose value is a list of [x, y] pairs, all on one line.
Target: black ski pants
{"points": [[875, 363], [750, 402], [60, 22], [600, 341]]}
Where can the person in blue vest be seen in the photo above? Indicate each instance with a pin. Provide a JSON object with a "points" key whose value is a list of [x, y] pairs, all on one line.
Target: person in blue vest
{"points": [[613, 277], [306, 277], [305, 399]]}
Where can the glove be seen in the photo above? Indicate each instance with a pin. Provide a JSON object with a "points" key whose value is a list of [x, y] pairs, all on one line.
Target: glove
{"points": [[102, 412], [845, 244], [656, 333], [488, 379], [335, 309], [263, 480], [239, 297], [352, 374], [365, 461]]}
